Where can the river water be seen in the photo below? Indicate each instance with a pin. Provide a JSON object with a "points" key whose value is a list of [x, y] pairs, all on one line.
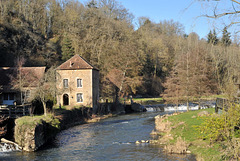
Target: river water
{"points": [[111, 139]]}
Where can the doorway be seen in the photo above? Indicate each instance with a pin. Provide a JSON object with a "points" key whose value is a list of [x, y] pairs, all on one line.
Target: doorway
{"points": [[65, 100]]}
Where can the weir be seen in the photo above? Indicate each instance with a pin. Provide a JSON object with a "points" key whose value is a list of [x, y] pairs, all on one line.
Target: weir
{"points": [[182, 107]]}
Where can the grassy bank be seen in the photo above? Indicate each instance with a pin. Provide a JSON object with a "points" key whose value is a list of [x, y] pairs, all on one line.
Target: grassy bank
{"points": [[34, 120], [184, 126], [157, 100]]}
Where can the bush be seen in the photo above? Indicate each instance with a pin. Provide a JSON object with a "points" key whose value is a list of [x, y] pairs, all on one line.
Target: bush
{"points": [[224, 127], [221, 127]]}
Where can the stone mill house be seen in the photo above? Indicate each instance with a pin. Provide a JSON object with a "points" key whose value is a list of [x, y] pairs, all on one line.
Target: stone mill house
{"points": [[77, 81]]}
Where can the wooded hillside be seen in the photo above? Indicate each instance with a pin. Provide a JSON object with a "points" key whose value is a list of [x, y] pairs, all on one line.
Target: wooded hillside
{"points": [[149, 60]]}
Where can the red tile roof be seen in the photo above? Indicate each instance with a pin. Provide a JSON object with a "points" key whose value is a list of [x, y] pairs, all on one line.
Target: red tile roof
{"points": [[30, 74], [76, 62]]}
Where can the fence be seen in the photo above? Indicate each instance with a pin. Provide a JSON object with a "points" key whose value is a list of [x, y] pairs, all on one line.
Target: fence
{"points": [[15, 111]]}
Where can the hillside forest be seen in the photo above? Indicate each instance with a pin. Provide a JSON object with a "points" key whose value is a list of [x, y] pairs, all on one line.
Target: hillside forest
{"points": [[152, 59]]}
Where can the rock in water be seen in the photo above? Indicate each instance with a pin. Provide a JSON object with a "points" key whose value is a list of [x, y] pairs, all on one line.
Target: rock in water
{"points": [[138, 108], [137, 142]]}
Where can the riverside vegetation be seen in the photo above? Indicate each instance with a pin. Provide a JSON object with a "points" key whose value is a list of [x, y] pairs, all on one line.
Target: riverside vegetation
{"points": [[156, 59], [208, 135]]}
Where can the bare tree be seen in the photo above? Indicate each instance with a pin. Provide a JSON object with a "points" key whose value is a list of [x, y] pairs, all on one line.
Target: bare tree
{"points": [[46, 88], [18, 78], [230, 11]]}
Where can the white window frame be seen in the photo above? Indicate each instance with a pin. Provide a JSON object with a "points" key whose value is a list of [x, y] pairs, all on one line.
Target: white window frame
{"points": [[81, 83], [79, 101], [27, 93], [65, 84]]}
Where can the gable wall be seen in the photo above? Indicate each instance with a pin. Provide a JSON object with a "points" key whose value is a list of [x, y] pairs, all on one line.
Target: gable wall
{"points": [[72, 90]]}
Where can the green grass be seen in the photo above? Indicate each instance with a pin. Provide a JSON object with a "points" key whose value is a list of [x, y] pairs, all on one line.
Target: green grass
{"points": [[188, 131], [148, 99], [32, 121], [157, 100], [56, 107]]}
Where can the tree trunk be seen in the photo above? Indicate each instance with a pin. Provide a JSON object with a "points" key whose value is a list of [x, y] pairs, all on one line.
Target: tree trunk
{"points": [[44, 108]]}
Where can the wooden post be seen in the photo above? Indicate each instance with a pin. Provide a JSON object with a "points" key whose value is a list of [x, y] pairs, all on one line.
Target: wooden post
{"points": [[9, 112], [216, 109], [131, 99], [24, 110]]}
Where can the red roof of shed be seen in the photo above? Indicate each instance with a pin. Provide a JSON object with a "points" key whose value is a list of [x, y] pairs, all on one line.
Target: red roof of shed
{"points": [[31, 74]]}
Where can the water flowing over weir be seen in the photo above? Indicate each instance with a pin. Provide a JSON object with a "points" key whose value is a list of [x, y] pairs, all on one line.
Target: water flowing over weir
{"points": [[182, 107], [110, 139]]}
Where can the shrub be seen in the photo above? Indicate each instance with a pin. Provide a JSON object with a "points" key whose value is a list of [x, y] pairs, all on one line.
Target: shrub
{"points": [[224, 127], [221, 127]]}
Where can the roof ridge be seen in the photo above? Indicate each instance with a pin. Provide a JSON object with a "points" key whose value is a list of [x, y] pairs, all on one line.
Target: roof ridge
{"points": [[76, 62]]}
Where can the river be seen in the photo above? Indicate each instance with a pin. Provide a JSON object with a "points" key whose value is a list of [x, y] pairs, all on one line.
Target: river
{"points": [[111, 139]]}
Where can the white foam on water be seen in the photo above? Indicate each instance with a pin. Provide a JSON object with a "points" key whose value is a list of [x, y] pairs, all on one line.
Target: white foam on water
{"points": [[5, 147], [171, 108], [152, 109]]}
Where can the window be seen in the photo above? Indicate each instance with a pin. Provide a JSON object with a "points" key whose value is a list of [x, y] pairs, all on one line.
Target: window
{"points": [[11, 96], [79, 83], [5, 96], [27, 93], [79, 97], [8, 96], [65, 83]]}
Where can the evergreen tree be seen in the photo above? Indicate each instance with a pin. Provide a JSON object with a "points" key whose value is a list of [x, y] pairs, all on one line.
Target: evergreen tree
{"points": [[209, 36], [67, 49], [212, 37], [226, 41], [92, 4]]}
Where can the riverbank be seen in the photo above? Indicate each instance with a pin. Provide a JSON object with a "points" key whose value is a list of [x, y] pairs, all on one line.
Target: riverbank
{"points": [[178, 133], [33, 132]]}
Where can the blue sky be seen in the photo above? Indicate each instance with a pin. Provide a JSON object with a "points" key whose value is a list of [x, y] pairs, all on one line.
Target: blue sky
{"points": [[182, 11], [186, 12]]}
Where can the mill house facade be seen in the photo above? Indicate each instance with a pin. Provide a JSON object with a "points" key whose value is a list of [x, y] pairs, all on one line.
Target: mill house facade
{"points": [[77, 83]]}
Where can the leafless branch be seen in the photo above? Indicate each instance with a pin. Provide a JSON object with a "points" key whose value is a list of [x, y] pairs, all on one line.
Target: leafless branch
{"points": [[222, 14], [233, 7], [232, 23], [236, 2]]}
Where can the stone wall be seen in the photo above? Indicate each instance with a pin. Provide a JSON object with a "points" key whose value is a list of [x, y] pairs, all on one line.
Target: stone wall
{"points": [[31, 133], [30, 137], [72, 90]]}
